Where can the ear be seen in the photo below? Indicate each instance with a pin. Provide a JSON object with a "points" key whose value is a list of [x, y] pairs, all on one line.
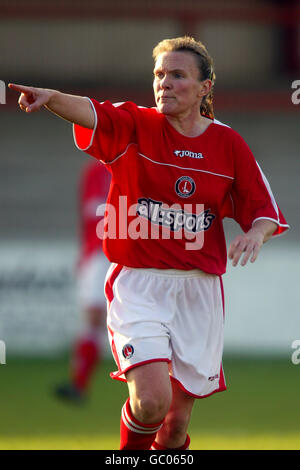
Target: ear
{"points": [[205, 87]]}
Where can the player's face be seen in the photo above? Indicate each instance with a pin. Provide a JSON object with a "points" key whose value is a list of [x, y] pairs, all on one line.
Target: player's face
{"points": [[178, 88]]}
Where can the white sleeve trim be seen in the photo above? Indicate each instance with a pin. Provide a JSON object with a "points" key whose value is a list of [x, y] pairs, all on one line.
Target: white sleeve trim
{"points": [[94, 130], [275, 221], [266, 182], [216, 121]]}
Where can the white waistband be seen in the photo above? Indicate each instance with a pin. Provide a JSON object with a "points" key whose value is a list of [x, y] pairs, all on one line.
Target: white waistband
{"points": [[172, 272]]}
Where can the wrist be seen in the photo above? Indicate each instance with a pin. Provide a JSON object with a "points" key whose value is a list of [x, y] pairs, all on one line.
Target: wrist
{"points": [[52, 98], [265, 228]]}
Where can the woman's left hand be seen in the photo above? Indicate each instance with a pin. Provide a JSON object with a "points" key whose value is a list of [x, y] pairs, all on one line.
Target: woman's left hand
{"points": [[251, 242]]}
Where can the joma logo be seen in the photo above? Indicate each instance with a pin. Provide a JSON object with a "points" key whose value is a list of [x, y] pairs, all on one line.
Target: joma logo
{"points": [[188, 153]]}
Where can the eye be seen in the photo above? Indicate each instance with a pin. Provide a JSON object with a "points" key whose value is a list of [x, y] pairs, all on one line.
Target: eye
{"points": [[178, 75], [158, 74]]}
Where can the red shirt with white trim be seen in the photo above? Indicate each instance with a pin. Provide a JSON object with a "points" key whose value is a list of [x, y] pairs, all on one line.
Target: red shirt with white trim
{"points": [[93, 190], [167, 188]]}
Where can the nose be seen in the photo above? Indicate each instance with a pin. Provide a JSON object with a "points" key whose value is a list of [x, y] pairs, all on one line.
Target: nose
{"points": [[165, 82]]}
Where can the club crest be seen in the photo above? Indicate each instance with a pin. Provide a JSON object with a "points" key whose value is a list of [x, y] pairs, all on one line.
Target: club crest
{"points": [[185, 186], [128, 351]]}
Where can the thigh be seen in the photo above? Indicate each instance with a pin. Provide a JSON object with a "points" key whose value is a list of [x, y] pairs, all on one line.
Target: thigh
{"points": [[95, 317], [136, 321], [150, 390], [197, 337], [182, 402], [149, 380]]}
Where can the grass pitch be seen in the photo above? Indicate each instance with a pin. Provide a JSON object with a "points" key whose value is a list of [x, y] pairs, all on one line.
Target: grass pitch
{"points": [[259, 411]]}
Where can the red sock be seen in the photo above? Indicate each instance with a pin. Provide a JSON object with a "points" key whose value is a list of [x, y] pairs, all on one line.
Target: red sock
{"points": [[156, 446], [84, 360], [134, 434]]}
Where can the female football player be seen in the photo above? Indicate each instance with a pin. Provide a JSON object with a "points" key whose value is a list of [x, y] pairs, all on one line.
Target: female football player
{"points": [[176, 173]]}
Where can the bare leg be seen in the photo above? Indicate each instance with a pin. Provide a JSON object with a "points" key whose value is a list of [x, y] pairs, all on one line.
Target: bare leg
{"points": [[150, 391], [174, 430]]}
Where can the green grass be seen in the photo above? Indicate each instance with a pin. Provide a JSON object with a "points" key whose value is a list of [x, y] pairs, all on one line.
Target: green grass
{"points": [[259, 410]]}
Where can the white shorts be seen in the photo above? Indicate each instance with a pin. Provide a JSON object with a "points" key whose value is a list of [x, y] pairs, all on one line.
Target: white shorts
{"points": [[168, 315], [90, 281]]}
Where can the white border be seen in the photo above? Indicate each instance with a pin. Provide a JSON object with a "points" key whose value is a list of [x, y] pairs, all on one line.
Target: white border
{"points": [[94, 130], [276, 222], [166, 164]]}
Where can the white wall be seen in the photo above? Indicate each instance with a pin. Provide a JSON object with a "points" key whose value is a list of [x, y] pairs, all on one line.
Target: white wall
{"points": [[262, 313]]}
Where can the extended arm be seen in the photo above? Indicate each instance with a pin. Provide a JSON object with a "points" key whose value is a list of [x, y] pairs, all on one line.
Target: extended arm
{"points": [[75, 109]]}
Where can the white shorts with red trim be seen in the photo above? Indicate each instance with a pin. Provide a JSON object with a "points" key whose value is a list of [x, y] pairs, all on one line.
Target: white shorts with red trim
{"points": [[90, 281], [168, 315]]}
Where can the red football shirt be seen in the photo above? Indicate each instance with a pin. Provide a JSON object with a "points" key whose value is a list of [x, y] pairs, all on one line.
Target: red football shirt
{"points": [[167, 188], [93, 190]]}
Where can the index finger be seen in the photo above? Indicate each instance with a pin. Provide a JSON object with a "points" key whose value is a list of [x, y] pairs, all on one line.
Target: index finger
{"points": [[233, 245], [20, 88]]}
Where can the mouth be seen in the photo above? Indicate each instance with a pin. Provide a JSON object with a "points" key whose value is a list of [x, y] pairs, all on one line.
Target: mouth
{"points": [[165, 98]]}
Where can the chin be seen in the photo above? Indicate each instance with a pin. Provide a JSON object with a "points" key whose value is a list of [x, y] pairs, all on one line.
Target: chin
{"points": [[165, 108]]}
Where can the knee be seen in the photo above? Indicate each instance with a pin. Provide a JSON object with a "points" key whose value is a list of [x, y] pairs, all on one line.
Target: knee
{"points": [[150, 409], [175, 426], [150, 392]]}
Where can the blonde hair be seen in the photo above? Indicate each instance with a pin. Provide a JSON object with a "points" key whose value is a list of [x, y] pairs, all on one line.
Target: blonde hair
{"points": [[204, 63]]}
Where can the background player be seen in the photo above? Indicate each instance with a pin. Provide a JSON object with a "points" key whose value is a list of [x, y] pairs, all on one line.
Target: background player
{"points": [[91, 270]]}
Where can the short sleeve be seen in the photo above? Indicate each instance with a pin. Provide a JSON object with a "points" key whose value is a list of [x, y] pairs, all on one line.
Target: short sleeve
{"points": [[251, 194], [113, 131]]}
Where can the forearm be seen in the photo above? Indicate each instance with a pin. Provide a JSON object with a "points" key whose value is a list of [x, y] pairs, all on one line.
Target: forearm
{"points": [[265, 227], [75, 109]]}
